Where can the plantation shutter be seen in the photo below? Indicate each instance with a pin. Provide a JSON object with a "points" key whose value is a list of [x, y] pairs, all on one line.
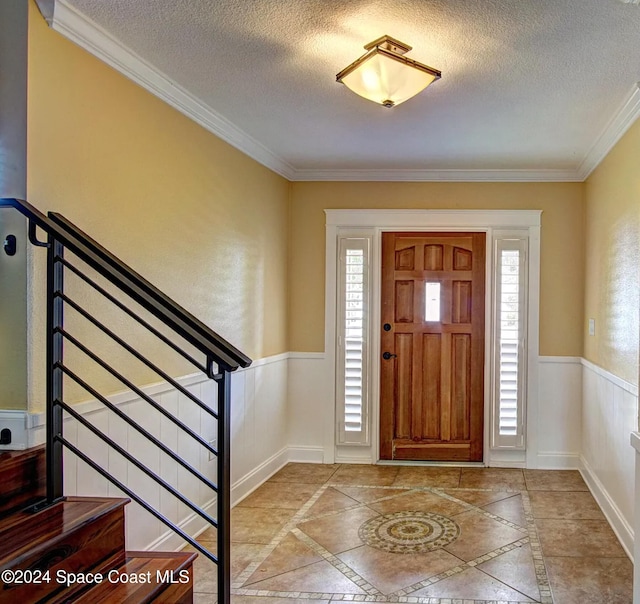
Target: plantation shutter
{"points": [[353, 331], [510, 320]]}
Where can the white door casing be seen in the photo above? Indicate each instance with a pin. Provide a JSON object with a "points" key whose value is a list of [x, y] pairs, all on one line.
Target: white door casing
{"points": [[371, 223]]}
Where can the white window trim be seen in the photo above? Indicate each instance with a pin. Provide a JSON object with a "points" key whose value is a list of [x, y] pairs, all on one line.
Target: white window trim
{"points": [[510, 240], [361, 242], [373, 223]]}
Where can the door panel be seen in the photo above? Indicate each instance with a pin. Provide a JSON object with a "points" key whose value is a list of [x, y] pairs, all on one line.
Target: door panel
{"points": [[431, 360], [404, 378], [432, 392], [404, 302]]}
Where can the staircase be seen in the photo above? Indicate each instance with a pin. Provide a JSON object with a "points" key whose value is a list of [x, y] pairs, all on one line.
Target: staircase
{"points": [[72, 549]]}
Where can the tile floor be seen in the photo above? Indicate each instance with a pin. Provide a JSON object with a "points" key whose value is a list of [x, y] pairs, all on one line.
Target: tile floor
{"points": [[317, 533]]}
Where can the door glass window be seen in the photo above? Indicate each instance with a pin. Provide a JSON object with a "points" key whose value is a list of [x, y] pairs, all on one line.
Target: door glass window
{"points": [[432, 301]]}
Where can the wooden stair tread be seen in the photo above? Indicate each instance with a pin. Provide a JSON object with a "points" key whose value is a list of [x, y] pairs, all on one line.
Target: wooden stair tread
{"points": [[12, 457], [22, 478], [24, 533], [146, 565]]}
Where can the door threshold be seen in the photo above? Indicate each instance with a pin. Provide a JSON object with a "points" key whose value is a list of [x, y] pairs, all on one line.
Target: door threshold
{"points": [[438, 464]]}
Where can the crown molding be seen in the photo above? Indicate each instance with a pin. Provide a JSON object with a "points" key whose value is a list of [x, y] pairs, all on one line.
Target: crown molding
{"points": [[437, 175], [46, 8], [627, 114], [72, 24]]}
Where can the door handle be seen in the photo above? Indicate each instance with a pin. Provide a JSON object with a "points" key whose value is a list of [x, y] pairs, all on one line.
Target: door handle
{"points": [[387, 355]]}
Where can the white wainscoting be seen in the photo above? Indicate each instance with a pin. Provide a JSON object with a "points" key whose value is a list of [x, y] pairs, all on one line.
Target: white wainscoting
{"points": [[258, 441], [553, 432], [258, 423], [558, 430], [311, 396], [609, 416], [558, 434], [312, 419]]}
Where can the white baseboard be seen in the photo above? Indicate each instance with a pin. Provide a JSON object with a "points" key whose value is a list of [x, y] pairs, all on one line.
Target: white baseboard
{"points": [[193, 525], [349, 458], [620, 526], [501, 463], [558, 460], [305, 454], [505, 458], [251, 481]]}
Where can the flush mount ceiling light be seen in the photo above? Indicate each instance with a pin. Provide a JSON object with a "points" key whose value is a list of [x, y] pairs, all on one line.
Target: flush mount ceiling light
{"points": [[384, 75]]}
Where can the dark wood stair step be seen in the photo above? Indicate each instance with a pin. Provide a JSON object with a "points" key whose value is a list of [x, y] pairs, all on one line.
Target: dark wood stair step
{"points": [[22, 479], [168, 579], [79, 534]]}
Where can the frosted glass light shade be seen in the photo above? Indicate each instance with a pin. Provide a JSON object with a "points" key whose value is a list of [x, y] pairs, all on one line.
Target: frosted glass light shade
{"points": [[386, 77]]}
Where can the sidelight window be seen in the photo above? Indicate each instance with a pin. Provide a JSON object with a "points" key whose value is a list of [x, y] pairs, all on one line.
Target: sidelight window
{"points": [[510, 343], [353, 340]]}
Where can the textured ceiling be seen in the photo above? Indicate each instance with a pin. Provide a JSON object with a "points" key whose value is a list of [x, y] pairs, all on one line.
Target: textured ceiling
{"points": [[526, 84]]}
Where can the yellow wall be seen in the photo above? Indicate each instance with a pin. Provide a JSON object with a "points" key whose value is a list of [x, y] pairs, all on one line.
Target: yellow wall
{"points": [[612, 259], [13, 313], [13, 183], [561, 248], [196, 217]]}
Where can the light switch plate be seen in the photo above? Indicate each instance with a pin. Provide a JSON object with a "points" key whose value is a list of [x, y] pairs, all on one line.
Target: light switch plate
{"points": [[592, 327]]}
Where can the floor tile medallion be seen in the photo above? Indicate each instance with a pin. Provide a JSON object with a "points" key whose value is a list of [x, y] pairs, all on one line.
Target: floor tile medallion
{"points": [[409, 532]]}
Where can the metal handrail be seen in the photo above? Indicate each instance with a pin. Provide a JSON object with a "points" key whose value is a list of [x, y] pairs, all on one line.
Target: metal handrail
{"points": [[221, 359]]}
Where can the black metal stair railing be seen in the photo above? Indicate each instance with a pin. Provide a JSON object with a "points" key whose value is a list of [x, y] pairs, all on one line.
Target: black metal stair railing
{"points": [[220, 359]]}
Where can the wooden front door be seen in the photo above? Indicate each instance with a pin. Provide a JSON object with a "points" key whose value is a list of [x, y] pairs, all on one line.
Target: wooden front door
{"points": [[432, 346]]}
